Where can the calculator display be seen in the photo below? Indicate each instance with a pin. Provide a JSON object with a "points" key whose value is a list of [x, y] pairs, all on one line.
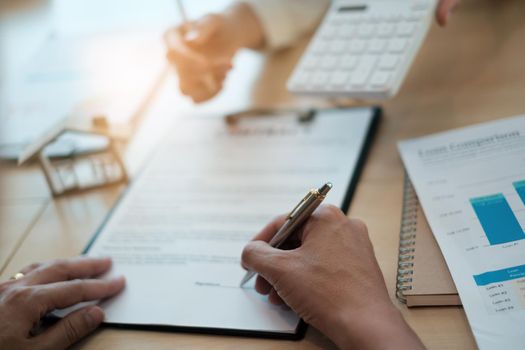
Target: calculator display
{"points": [[352, 8]]}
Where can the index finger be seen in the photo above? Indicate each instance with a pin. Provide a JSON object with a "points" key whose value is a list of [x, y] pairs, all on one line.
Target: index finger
{"points": [[173, 37], [68, 269], [178, 51], [61, 295]]}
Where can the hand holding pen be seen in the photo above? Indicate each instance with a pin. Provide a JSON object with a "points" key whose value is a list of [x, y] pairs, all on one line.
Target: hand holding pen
{"points": [[295, 219], [193, 49], [201, 51], [332, 280]]}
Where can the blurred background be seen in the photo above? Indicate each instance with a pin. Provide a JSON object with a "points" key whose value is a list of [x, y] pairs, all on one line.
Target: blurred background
{"points": [[81, 59]]}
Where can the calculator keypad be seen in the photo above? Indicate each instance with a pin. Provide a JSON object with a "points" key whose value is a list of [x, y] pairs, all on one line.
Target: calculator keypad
{"points": [[360, 51]]}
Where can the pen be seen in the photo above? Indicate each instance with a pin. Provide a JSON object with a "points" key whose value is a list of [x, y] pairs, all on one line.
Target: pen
{"points": [[295, 219], [208, 79]]}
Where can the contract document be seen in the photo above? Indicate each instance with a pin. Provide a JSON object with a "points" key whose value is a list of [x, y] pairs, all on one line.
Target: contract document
{"points": [[471, 184], [178, 233]]}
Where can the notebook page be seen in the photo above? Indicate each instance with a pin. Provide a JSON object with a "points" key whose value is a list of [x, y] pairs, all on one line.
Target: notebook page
{"points": [[178, 233]]}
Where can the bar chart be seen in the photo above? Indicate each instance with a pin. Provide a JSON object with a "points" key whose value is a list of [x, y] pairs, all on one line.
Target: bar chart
{"points": [[471, 185], [520, 188], [497, 218]]}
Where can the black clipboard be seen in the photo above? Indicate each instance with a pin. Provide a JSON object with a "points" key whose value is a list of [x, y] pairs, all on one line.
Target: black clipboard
{"points": [[302, 326]]}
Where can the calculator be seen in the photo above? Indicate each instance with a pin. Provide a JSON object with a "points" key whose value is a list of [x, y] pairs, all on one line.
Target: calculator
{"points": [[363, 49]]}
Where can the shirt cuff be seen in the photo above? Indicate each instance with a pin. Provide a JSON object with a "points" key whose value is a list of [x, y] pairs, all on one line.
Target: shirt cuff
{"points": [[285, 21]]}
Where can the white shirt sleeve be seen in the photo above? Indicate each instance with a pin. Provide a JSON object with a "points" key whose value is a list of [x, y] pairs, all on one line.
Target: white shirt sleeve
{"points": [[285, 21]]}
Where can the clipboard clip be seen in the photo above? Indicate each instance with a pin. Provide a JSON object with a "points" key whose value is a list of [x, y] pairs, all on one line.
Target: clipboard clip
{"points": [[303, 115]]}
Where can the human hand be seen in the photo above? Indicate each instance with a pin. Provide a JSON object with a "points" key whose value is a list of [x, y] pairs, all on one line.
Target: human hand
{"points": [[444, 9], [201, 51], [201, 56], [332, 280], [49, 286]]}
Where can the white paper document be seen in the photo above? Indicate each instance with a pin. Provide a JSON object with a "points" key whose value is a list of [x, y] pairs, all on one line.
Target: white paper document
{"points": [[178, 232], [471, 184]]}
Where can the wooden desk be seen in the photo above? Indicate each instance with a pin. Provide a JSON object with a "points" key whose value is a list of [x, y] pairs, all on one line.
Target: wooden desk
{"points": [[471, 71]]}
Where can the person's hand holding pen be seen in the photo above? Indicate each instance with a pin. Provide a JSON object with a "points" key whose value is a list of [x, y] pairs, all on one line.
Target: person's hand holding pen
{"points": [[332, 280], [202, 51]]}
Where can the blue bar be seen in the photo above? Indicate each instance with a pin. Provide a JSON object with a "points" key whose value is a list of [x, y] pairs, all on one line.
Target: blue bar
{"points": [[497, 219], [511, 273], [520, 188]]}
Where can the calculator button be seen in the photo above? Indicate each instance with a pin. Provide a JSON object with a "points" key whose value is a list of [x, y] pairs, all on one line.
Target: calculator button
{"points": [[397, 45], [366, 30], [405, 29], [348, 62], [302, 79], [353, 18], [337, 46], [371, 59], [329, 62], [319, 47], [346, 30], [360, 75], [394, 17], [388, 62], [385, 30], [411, 17], [377, 46], [311, 62], [329, 32], [381, 18], [357, 46], [335, 19], [420, 5], [339, 79], [380, 79], [320, 79]]}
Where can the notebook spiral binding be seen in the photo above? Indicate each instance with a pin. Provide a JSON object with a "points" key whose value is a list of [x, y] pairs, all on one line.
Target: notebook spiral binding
{"points": [[407, 237]]}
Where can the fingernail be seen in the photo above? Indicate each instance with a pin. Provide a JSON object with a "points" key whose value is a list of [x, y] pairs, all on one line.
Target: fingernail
{"points": [[103, 258], [191, 35], [118, 279], [94, 316]]}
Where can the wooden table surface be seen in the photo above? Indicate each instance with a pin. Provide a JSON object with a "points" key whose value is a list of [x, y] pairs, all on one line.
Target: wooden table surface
{"points": [[472, 71]]}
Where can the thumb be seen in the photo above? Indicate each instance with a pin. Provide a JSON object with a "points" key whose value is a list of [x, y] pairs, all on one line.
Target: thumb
{"points": [[269, 262], [200, 33], [72, 328]]}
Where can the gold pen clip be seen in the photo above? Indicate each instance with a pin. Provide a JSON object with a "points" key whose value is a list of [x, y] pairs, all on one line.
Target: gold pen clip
{"points": [[313, 192]]}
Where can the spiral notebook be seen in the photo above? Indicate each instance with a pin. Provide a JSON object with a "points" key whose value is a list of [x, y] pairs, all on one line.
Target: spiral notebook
{"points": [[423, 278]]}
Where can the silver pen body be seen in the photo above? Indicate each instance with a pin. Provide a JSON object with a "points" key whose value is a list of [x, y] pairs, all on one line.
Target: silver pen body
{"points": [[295, 222], [296, 218]]}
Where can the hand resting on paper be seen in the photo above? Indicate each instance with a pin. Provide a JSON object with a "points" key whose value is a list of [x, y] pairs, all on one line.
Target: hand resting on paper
{"points": [[41, 288], [332, 280]]}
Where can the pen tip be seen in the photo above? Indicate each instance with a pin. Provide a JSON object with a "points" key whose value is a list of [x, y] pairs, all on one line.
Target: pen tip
{"points": [[246, 278], [325, 188]]}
